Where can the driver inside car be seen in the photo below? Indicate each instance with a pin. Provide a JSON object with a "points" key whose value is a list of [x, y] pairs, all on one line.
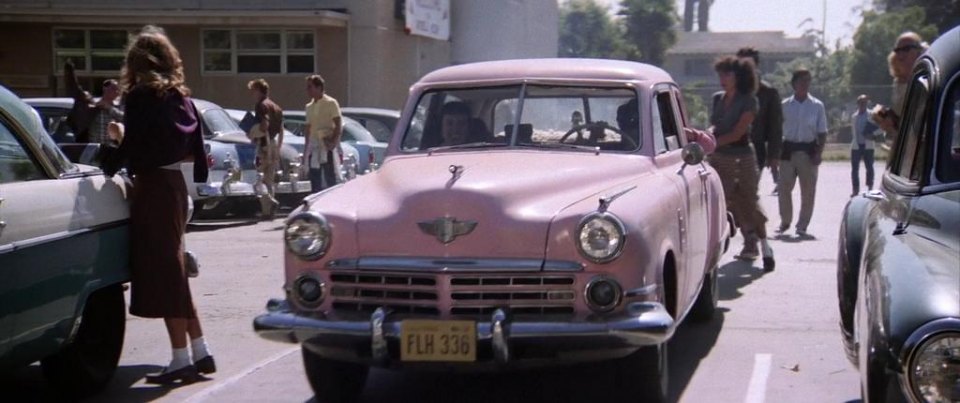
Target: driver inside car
{"points": [[628, 119], [454, 123]]}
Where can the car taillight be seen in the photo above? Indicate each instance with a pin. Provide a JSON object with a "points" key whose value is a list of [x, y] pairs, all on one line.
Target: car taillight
{"points": [[210, 161], [340, 153], [370, 158]]}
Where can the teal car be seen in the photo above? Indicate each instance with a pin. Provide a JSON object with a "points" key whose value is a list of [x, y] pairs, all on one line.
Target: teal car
{"points": [[63, 258]]}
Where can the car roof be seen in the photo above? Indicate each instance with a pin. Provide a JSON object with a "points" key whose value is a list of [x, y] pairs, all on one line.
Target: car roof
{"points": [[548, 70], [58, 102], [944, 53]]}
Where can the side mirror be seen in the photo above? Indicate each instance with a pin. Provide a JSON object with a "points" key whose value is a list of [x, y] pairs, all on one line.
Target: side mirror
{"points": [[692, 154]]}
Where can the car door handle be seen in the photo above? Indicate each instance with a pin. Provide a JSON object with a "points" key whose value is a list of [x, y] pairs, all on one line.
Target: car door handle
{"points": [[3, 224]]}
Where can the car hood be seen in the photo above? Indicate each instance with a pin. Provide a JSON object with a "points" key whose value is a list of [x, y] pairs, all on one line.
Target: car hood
{"points": [[511, 196]]}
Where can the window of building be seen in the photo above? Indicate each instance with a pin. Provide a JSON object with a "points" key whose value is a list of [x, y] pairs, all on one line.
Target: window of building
{"points": [[699, 67], [258, 51], [91, 50]]}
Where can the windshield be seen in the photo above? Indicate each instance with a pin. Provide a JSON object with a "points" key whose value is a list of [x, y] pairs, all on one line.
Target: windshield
{"points": [[219, 122], [550, 116]]}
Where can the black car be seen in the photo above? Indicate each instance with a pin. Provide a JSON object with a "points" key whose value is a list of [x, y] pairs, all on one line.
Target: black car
{"points": [[899, 252]]}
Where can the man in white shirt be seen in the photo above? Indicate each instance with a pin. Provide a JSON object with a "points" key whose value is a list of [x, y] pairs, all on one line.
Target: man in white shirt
{"points": [[861, 144], [804, 134]]}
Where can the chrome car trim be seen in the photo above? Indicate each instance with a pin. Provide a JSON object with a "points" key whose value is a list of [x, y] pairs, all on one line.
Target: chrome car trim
{"points": [[606, 201], [453, 265], [378, 343], [501, 350], [641, 324], [58, 236], [642, 291]]}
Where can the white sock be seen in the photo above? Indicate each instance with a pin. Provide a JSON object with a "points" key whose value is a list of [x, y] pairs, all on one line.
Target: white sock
{"points": [[199, 347], [181, 358]]}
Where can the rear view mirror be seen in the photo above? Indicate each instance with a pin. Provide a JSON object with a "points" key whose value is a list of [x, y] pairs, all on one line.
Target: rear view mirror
{"points": [[692, 154]]}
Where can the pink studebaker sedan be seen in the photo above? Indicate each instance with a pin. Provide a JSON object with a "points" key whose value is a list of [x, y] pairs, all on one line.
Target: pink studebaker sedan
{"points": [[528, 212]]}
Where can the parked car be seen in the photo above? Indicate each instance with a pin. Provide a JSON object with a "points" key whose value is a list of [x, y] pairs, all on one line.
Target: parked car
{"points": [[289, 191], [370, 151], [898, 267], [230, 187], [63, 258], [534, 243], [378, 121]]}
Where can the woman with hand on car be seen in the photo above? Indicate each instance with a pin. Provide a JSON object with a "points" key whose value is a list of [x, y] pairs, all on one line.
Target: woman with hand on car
{"points": [[734, 109], [161, 130]]}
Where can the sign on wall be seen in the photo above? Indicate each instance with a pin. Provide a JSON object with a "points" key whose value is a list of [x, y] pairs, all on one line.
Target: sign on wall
{"points": [[429, 18]]}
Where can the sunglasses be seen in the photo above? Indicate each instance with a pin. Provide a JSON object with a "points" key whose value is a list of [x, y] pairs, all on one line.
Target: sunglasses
{"points": [[905, 48]]}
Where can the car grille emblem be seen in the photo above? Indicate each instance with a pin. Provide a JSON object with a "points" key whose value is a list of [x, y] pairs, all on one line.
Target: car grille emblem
{"points": [[446, 229]]}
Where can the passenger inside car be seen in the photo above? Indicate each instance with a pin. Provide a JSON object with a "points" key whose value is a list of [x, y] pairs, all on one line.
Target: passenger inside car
{"points": [[628, 120]]}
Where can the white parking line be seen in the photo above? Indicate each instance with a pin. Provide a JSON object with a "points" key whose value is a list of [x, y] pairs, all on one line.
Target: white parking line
{"points": [[210, 390], [757, 390]]}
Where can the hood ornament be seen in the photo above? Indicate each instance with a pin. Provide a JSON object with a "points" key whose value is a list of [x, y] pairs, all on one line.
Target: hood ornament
{"points": [[446, 229]]}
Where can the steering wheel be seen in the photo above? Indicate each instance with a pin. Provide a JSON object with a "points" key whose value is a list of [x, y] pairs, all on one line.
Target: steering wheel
{"points": [[598, 125]]}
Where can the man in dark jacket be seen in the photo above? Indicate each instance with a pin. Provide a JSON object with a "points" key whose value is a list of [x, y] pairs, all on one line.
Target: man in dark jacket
{"points": [[767, 132]]}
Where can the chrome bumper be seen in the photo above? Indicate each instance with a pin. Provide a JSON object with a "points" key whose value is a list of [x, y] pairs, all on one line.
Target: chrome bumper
{"points": [[219, 189], [369, 341], [292, 187]]}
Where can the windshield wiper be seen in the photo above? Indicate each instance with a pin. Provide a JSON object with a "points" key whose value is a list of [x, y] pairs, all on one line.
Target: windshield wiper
{"points": [[479, 144]]}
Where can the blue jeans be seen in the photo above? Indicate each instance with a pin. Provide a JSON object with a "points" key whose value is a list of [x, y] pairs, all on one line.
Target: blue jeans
{"points": [[323, 174], [855, 155]]}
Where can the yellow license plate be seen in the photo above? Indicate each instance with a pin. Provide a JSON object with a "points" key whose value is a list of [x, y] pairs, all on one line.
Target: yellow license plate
{"points": [[438, 340]]}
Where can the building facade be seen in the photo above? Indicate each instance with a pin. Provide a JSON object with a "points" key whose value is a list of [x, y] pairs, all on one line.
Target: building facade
{"points": [[361, 47]]}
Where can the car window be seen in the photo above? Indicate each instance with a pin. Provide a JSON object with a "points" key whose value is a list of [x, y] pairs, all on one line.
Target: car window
{"points": [[914, 133], [948, 162], [379, 130], [217, 121], [545, 114], [353, 131], [55, 121], [16, 163]]}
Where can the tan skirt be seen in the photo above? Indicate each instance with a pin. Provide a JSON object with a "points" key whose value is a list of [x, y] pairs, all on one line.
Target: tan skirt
{"points": [[158, 220]]}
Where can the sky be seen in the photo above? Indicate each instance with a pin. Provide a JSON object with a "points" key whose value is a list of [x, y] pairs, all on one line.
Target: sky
{"points": [[782, 15]]}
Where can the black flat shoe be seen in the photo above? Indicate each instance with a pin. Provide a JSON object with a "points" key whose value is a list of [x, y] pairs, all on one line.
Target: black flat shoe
{"points": [[206, 365], [185, 375]]}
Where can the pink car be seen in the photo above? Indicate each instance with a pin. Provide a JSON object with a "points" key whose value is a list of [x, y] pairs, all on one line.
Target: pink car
{"points": [[528, 212]]}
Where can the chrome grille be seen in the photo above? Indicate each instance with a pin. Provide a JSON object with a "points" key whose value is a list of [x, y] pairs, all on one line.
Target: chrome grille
{"points": [[470, 294], [523, 294]]}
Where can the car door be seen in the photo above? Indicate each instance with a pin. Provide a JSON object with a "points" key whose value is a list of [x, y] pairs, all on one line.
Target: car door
{"points": [[691, 181], [56, 239]]}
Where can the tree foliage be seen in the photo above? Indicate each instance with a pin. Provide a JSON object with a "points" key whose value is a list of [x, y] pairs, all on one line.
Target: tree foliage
{"points": [[649, 27], [831, 82], [945, 14], [587, 30], [872, 43]]}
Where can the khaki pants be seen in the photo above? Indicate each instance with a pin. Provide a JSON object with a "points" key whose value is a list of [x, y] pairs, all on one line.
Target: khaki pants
{"points": [[798, 166], [269, 156], [738, 174]]}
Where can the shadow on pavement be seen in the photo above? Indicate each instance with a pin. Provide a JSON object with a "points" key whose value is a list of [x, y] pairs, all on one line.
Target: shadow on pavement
{"points": [[28, 384], [736, 275]]}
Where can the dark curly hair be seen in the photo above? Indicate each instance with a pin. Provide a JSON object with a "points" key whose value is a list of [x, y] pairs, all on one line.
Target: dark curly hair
{"points": [[743, 69]]}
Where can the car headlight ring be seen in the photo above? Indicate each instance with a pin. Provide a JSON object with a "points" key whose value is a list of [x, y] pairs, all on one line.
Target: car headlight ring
{"points": [[934, 368], [600, 237], [307, 235]]}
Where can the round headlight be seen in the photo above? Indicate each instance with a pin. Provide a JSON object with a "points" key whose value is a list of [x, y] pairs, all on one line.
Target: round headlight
{"points": [[603, 294], [600, 237], [307, 235], [935, 369], [308, 291]]}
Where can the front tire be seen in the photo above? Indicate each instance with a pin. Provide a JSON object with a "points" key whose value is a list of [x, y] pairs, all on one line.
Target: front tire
{"points": [[333, 381], [643, 375], [706, 305], [87, 364]]}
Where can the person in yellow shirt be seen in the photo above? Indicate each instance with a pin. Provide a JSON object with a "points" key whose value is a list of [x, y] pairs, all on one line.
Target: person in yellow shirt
{"points": [[323, 132]]}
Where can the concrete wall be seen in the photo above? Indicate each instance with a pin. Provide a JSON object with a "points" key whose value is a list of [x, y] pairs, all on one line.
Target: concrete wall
{"points": [[503, 29]]}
